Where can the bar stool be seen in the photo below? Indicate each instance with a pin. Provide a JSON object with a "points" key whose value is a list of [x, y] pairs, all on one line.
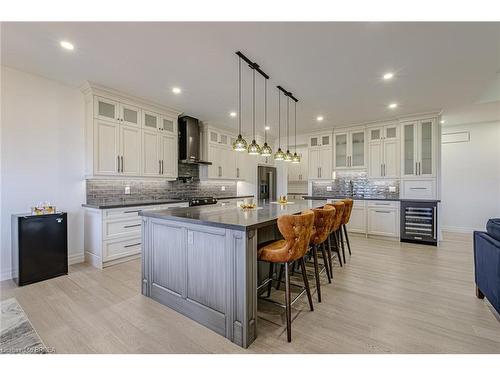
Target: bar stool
{"points": [[337, 223], [296, 231], [323, 219], [345, 220]]}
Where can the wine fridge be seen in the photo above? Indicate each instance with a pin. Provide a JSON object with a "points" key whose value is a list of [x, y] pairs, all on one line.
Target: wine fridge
{"points": [[419, 222]]}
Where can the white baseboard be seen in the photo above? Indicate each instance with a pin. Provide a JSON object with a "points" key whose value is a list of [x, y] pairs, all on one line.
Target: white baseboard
{"points": [[6, 274], [466, 230]]}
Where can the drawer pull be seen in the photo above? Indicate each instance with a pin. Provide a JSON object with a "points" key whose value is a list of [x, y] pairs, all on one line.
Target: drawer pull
{"points": [[132, 226], [131, 212], [418, 188], [382, 204], [132, 245], [383, 212]]}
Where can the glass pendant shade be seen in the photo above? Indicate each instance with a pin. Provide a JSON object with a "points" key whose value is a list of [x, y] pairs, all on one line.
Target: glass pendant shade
{"points": [[240, 144], [288, 156], [254, 148], [295, 158], [266, 150], [279, 155]]}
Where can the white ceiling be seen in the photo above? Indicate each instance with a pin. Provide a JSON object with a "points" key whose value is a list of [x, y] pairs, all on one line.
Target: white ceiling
{"points": [[333, 68]]}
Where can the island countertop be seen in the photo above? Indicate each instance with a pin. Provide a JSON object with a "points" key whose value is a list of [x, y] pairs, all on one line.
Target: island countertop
{"points": [[233, 216]]}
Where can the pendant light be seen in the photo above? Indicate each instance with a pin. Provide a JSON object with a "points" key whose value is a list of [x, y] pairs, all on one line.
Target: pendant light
{"points": [[239, 144], [295, 158], [254, 148], [266, 150], [288, 155], [279, 155]]}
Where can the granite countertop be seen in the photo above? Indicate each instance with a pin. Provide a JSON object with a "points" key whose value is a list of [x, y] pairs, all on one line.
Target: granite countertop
{"points": [[232, 216], [364, 198], [122, 204]]}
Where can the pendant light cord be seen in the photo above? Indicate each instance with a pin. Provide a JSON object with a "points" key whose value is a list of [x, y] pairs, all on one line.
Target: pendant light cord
{"points": [[253, 104], [239, 95], [295, 126], [279, 119], [287, 124], [265, 111]]}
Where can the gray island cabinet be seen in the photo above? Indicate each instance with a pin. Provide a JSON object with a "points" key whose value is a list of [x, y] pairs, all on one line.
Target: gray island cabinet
{"points": [[202, 262]]}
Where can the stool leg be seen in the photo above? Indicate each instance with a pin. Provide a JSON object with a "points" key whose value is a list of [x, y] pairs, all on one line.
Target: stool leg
{"points": [[342, 243], [306, 283], [270, 285], [347, 239], [316, 271], [325, 260], [280, 276], [329, 250], [335, 236], [287, 303]]}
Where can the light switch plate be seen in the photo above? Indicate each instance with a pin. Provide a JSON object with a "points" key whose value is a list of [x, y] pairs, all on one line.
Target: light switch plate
{"points": [[127, 189], [392, 189], [328, 188], [223, 188]]}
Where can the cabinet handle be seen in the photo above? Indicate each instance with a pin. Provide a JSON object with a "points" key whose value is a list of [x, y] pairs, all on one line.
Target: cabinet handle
{"points": [[416, 168], [121, 157], [418, 188], [435, 223], [132, 244], [237, 172], [383, 212], [118, 163], [419, 168], [130, 212], [162, 170], [159, 166], [132, 226], [381, 170]]}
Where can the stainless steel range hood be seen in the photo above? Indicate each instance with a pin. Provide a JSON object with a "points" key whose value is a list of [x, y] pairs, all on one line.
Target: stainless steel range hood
{"points": [[189, 141]]}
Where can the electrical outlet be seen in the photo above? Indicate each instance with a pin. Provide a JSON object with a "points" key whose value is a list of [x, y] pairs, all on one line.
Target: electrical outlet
{"points": [[392, 189], [223, 188], [127, 189], [328, 188]]}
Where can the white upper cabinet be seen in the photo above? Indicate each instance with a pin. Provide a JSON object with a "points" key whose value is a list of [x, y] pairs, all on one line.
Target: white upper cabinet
{"points": [[383, 151], [319, 159], [299, 171], [122, 136], [418, 148], [322, 140], [350, 149]]}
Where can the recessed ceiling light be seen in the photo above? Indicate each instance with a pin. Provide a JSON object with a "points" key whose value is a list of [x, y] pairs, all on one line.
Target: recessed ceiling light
{"points": [[267, 128], [67, 45], [319, 118], [176, 90], [393, 105], [388, 76], [232, 114], [442, 121]]}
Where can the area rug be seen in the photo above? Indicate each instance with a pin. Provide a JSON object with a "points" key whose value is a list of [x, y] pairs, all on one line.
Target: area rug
{"points": [[17, 334]]}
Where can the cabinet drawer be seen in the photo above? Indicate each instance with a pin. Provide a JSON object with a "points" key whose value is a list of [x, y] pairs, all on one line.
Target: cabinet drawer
{"points": [[383, 221], [118, 228], [119, 213], [419, 189], [392, 204], [115, 249]]}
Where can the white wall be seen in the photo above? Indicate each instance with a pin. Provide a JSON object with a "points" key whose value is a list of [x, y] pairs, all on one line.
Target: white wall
{"points": [[42, 154], [471, 177]]}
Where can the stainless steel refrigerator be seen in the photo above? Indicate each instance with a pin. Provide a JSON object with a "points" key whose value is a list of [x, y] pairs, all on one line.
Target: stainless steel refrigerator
{"points": [[267, 183]]}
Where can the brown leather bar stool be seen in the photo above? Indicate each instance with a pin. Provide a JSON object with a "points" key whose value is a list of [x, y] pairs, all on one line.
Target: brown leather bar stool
{"points": [[323, 219], [336, 225], [345, 220], [296, 231]]}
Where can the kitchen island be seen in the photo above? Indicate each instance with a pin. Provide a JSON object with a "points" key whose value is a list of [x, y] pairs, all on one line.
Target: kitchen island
{"points": [[202, 262]]}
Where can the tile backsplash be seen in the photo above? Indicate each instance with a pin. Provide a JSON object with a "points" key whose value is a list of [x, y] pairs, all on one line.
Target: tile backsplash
{"points": [[112, 190], [361, 186]]}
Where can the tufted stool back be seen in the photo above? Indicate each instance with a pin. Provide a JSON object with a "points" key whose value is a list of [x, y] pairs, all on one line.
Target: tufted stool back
{"points": [[347, 211], [323, 220], [339, 214], [296, 231]]}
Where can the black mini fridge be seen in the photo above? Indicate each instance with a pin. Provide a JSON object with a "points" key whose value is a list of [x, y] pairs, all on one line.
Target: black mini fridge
{"points": [[39, 247]]}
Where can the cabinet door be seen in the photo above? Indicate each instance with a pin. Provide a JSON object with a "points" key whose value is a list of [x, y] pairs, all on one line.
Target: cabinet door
{"points": [[375, 158], [314, 164], [168, 125], [151, 120], [105, 109], [383, 221], [340, 150], [391, 132], [130, 115], [357, 146], [168, 152], [304, 164], [357, 221], [391, 158], [151, 165], [314, 141], [293, 172], [214, 170], [106, 147], [326, 140], [325, 163], [408, 152], [425, 148], [228, 162], [130, 150]]}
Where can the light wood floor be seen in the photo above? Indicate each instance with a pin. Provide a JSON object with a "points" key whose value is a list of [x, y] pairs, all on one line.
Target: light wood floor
{"points": [[390, 298]]}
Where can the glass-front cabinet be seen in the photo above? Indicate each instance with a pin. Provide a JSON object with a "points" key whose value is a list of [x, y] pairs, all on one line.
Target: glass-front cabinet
{"points": [[350, 149], [383, 151], [418, 144]]}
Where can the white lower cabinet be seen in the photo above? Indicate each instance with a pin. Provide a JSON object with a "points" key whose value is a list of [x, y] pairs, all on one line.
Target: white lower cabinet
{"points": [[357, 221], [421, 188], [383, 218], [113, 235]]}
